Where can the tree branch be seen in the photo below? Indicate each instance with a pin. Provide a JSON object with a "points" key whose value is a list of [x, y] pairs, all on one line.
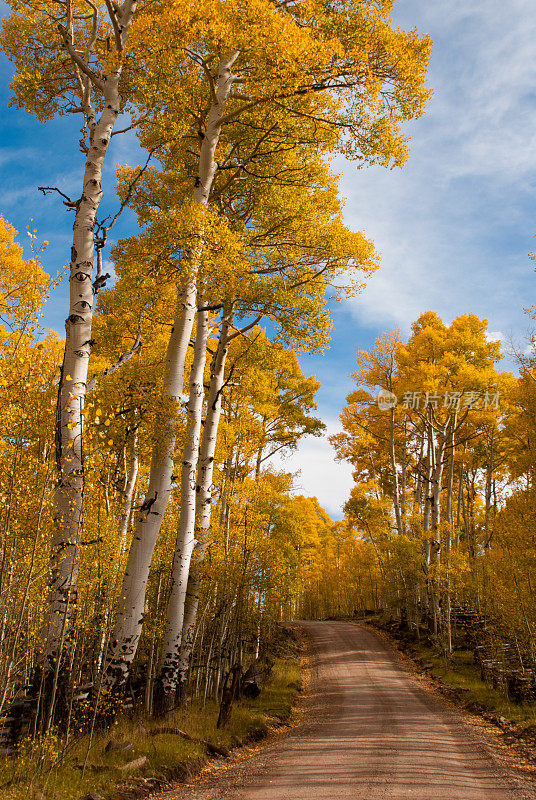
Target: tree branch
{"points": [[123, 360], [80, 63], [113, 19], [67, 202], [241, 331], [126, 200]]}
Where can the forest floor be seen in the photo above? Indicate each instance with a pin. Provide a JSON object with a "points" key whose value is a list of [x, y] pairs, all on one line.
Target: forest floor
{"points": [[133, 760], [370, 728]]}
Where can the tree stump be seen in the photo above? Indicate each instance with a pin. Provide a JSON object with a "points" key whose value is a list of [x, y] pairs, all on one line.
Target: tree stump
{"points": [[229, 694]]}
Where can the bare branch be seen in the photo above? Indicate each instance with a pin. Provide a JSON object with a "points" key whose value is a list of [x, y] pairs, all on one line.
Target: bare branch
{"points": [[117, 31], [127, 197], [246, 328], [204, 65], [94, 27], [118, 364], [210, 308], [67, 201], [130, 127]]}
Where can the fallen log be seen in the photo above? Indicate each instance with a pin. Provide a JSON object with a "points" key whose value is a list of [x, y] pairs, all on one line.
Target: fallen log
{"points": [[212, 749], [138, 763]]}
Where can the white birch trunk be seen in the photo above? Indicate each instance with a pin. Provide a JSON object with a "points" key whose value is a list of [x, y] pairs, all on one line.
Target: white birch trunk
{"points": [[132, 466], [394, 470], [437, 488], [130, 612], [435, 539], [69, 494], [427, 485], [489, 517], [427, 507], [204, 490], [165, 693], [448, 537]]}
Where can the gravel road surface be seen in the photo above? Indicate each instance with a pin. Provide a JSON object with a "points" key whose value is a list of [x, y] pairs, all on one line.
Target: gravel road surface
{"points": [[369, 732]]}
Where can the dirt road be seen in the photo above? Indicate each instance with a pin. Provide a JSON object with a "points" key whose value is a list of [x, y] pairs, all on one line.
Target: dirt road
{"points": [[369, 732]]}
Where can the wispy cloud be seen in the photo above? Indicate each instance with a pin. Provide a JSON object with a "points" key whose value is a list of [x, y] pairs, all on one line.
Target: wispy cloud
{"points": [[455, 225], [318, 474]]}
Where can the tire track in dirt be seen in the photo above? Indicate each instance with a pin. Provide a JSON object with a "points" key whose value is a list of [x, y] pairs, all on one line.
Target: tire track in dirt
{"points": [[369, 732]]}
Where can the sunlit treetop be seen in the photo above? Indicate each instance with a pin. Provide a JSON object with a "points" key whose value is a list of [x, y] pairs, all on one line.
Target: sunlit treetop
{"points": [[339, 67]]}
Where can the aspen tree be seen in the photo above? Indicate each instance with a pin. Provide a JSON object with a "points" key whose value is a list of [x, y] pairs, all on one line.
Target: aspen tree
{"points": [[308, 245], [275, 85], [442, 366], [130, 612], [203, 510], [316, 251], [186, 525], [184, 599], [131, 474], [62, 67], [241, 540]]}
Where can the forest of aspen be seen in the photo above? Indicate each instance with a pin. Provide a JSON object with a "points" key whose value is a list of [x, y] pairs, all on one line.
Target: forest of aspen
{"points": [[152, 542]]}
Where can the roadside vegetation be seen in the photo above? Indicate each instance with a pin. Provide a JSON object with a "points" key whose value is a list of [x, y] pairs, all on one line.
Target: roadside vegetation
{"points": [[465, 678], [138, 755]]}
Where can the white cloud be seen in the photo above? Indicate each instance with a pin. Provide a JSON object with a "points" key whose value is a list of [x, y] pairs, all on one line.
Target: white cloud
{"points": [[109, 267], [455, 225], [318, 474], [17, 155]]}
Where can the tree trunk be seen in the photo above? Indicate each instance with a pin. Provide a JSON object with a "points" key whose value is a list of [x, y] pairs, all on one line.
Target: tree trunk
{"points": [[69, 495], [427, 491], [435, 539], [132, 466], [56, 632], [129, 619], [394, 471], [167, 679], [448, 541], [427, 513], [129, 616], [229, 695], [488, 518], [439, 462], [204, 490]]}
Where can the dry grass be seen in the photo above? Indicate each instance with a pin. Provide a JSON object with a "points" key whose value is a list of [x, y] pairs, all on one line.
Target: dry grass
{"points": [[50, 769], [462, 673]]}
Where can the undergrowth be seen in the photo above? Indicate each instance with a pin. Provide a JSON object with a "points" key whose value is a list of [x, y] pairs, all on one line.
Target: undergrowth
{"points": [[52, 769], [462, 674]]}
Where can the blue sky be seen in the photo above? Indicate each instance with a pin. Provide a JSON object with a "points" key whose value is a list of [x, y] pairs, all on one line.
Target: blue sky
{"points": [[454, 227]]}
